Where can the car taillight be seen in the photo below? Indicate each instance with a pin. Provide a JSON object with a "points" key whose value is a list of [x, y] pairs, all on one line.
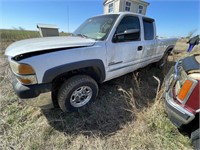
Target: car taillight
{"points": [[186, 90]]}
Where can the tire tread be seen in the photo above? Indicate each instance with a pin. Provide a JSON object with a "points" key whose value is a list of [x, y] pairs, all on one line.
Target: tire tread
{"points": [[69, 84]]}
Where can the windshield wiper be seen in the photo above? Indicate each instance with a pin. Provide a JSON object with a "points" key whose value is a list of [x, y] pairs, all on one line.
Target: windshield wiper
{"points": [[82, 35]]}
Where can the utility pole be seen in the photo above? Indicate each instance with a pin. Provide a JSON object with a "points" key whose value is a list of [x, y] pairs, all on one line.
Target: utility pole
{"points": [[68, 18]]}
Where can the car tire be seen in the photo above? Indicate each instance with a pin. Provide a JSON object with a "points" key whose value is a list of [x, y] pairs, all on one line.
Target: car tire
{"points": [[161, 63], [195, 139], [77, 92]]}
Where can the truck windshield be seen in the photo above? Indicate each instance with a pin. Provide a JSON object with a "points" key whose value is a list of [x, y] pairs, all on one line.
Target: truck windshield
{"points": [[96, 28]]}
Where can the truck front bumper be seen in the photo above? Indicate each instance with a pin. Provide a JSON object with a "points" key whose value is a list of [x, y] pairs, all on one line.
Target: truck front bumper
{"points": [[38, 95]]}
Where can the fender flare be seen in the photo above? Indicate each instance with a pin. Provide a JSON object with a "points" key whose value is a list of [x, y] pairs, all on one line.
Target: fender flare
{"points": [[52, 73]]}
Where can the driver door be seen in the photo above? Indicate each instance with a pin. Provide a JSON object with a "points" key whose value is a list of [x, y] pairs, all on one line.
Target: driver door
{"points": [[124, 53]]}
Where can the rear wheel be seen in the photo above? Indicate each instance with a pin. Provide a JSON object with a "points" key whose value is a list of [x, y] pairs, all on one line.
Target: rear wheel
{"points": [[77, 92], [161, 63]]}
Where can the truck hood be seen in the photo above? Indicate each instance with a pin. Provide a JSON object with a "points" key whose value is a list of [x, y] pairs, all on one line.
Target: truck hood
{"points": [[45, 44]]}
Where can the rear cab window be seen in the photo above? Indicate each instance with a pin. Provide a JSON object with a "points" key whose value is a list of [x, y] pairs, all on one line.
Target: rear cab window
{"points": [[148, 25]]}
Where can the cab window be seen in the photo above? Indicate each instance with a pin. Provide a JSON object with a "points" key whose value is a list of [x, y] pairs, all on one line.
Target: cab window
{"points": [[148, 28], [128, 29]]}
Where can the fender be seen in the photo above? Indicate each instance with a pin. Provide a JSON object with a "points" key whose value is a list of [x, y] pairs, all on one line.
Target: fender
{"points": [[52, 73], [168, 50]]}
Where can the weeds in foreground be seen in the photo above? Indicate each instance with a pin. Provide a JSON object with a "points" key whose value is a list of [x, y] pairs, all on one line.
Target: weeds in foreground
{"points": [[117, 120]]}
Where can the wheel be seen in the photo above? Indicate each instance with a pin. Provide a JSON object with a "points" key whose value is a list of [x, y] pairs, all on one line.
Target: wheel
{"points": [[195, 139], [163, 61], [77, 92]]}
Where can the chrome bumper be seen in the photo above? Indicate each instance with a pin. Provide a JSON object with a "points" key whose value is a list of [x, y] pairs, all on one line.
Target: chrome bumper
{"points": [[177, 114]]}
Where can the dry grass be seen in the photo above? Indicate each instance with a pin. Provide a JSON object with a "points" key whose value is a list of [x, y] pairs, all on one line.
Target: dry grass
{"points": [[181, 47], [9, 36], [128, 114]]}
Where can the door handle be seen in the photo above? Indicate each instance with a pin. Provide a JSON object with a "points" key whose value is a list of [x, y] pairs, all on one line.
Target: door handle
{"points": [[140, 48]]}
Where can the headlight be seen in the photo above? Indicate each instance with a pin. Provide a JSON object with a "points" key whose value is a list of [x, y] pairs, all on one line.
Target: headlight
{"points": [[21, 69], [24, 73]]}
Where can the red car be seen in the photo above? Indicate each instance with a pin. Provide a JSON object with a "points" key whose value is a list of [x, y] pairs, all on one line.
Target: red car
{"points": [[182, 95]]}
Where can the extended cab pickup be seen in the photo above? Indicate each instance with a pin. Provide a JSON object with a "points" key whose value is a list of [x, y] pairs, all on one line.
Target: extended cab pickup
{"points": [[65, 71]]}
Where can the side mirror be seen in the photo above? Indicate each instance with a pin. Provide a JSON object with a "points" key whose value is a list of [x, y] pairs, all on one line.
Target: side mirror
{"points": [[131, 31], [127, 35]]}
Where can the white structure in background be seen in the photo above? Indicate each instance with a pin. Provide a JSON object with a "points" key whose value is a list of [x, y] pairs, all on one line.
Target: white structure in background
{"points": [[47, 30], [135, 6]]}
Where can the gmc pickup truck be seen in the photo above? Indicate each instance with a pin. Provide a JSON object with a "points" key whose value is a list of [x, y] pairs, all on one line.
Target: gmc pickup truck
{"points": [[66, 71]]}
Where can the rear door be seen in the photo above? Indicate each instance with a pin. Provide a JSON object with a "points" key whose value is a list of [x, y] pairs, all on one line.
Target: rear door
{"points": [[150, 42]]}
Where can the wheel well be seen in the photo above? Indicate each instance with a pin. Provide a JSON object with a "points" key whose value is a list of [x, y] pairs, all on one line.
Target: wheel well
{"points": [[93, 72], [169, 50]]}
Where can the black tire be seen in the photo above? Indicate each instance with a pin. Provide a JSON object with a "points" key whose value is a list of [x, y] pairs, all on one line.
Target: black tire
{"points": [[77, 92], [161, 63], [195, 139]]}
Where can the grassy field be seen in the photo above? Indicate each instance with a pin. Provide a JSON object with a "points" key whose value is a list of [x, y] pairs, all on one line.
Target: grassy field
{"points": [[9, 36], [128, 114]]}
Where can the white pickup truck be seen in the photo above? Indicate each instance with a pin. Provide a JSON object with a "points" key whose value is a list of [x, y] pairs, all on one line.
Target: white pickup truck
{"points": [[66, 71]]}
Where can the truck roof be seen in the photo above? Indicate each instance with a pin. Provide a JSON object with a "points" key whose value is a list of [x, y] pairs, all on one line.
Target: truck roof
{"points": [[123, 13]]}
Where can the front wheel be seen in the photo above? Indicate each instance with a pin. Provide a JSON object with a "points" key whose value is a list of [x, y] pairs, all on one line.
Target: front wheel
{"points": [[77, 92]]}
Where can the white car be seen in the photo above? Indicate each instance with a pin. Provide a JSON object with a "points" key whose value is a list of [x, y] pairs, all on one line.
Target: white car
{"points": [[66, 71]]}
